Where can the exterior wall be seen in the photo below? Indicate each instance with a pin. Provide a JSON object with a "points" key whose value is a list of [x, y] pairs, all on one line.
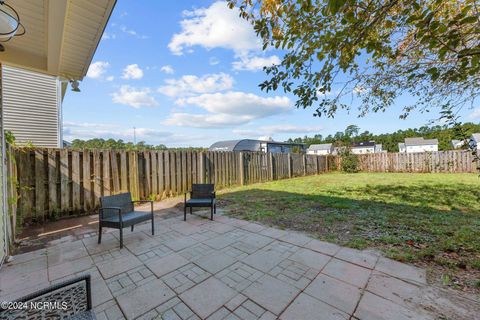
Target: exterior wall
{"points": [[319, 152], [422, 148], [32, 107], [363, 150]]}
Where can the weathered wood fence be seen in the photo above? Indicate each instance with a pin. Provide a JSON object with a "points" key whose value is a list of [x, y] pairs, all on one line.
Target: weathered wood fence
{"points": [[53, 183], [452, 161]]}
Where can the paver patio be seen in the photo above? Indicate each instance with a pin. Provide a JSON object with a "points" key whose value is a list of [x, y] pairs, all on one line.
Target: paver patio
{"points": [[232, 269]]}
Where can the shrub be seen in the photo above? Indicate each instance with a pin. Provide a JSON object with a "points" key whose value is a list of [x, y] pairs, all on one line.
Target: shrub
{"points": [[349, 162]]}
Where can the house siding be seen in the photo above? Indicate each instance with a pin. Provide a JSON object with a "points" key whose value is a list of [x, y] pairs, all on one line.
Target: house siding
{"points": [[3, 211], [31, 107]]}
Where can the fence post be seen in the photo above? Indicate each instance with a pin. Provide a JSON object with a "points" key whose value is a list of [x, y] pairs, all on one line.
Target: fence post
{"points": [[270, 163], [241, 168], [304, 164], [289, 165]]}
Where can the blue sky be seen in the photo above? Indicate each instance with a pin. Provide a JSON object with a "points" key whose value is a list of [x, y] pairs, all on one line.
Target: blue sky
{"points": [[186, 73]]}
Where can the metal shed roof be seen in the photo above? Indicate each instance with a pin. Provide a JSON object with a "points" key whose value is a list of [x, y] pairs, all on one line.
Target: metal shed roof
{"points": [[322, 146]]}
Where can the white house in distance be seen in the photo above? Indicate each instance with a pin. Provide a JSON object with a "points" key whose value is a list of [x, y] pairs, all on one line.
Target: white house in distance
{"points": [[366, 147], [321, 149], [412, 145], [457, 144], [475, 141]]}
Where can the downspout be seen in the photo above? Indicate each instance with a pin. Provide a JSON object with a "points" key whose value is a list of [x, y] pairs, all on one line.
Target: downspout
{"points": [[4, 177]]}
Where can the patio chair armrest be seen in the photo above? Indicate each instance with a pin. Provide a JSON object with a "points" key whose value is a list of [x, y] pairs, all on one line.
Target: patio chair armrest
{"points": [[145, 201], [185, 195], [214, 194], [100, 210]]}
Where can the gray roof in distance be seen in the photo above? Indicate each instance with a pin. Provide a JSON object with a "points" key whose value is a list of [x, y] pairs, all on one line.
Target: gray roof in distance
{"points": [[323, 146], [419, 141], [363, 144]]}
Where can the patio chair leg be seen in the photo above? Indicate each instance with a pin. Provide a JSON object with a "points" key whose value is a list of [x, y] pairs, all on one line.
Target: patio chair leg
{"points": [[211, 213], [214, 209], [99, 234], [121, 237], [184, 213], [153, 227], [132, 228], [191, 210]]}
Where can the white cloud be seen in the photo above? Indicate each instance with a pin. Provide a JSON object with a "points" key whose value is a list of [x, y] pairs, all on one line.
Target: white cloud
{"points": [[107, 36], [239, 103], [132, 32], [213, 61], [97, 69], [167, 69], [190, 85], [277, 129], [134, 97], [205, 120], [228, 109], [110, 78], [475, 114], [215, 27], [132, 71], [255, 63]]}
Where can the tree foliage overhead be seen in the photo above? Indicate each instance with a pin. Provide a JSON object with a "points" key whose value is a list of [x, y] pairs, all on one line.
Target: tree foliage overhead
{"points": [[372, 50], [390, 141]]}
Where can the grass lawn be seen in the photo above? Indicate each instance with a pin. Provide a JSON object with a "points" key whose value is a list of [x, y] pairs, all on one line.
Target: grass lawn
{"points": [[431, 220]]}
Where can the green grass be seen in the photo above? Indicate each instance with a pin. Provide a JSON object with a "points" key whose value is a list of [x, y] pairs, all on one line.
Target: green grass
{"points": [[419, 218]]}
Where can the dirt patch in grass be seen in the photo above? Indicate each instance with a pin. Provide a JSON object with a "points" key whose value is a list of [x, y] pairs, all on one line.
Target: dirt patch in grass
{"points": [[430, 220]]}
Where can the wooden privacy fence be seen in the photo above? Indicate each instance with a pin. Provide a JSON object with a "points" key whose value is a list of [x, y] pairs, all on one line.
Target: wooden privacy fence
{"points": [[452, 161], [53, 183]]}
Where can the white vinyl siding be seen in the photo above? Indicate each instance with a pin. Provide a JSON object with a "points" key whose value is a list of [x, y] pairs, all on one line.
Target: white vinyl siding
{"points": [[31, 105], [3, 212]]}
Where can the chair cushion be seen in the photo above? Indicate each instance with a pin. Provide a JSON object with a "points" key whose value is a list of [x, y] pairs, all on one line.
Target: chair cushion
{"points": [[130, 217], [198, 202]]}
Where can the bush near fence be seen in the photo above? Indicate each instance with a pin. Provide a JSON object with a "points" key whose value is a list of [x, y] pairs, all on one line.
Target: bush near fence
{"points": [[46, 184]]}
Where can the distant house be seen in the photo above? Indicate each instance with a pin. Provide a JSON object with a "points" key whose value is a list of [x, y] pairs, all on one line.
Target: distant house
{"points": [[412, 145], [32, 106], [475, 141], [366, 147], [457, 144], [321, 149], [257, 145]]}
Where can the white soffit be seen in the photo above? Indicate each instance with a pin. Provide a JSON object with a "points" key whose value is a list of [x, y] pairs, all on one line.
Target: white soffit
{"points": [[61, 35]]}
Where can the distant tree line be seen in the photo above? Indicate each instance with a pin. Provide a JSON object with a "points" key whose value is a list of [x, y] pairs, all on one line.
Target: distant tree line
{"points": [[390, 140], [112, 144]]}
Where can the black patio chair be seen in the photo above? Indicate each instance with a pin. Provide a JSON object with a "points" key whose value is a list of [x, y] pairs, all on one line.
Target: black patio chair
{"points": [[202, 195], [71, 299], [118, 211]]}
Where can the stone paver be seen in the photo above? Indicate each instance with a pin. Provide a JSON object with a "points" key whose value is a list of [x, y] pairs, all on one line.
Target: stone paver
{"points": [[185, 277], [361, 258], [271, 293], [232, 269], [293, 273], [310, 258], [347, 272], [215, 261], [373, 307], [127, 281], [239, 276], [124, 263], [306, 307], [166, 264], [334, 292], [208, 296], [400, 270], [144, 298]]}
